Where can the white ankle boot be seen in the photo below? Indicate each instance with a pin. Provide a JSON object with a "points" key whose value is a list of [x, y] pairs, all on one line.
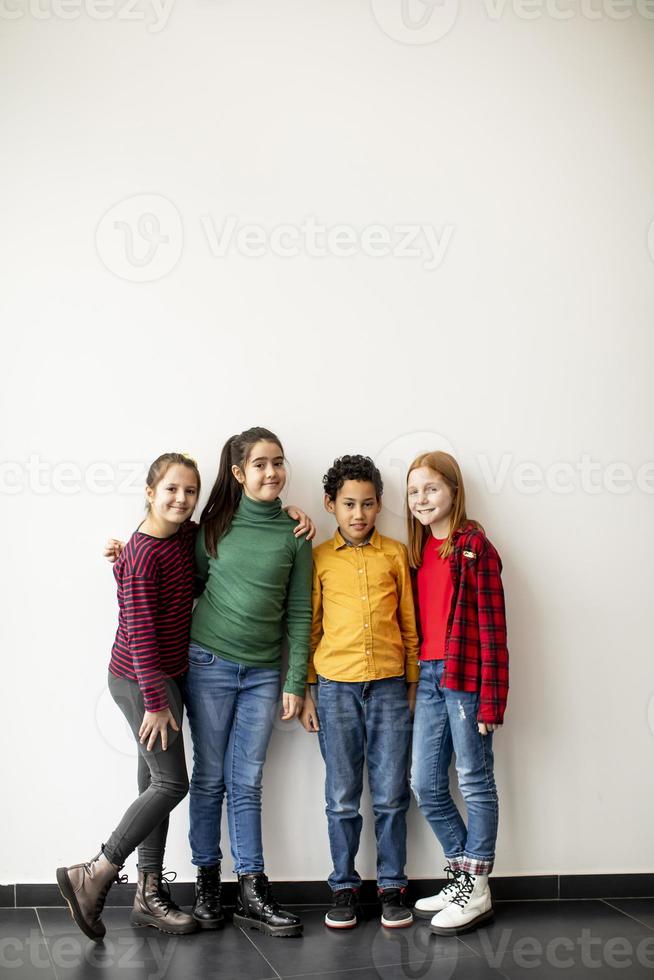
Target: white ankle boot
{"points": [[469, 908], [426, 907]]}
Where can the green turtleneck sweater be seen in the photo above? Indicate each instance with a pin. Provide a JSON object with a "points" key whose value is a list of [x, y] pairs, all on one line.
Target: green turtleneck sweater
{"points": [[257, 589]]}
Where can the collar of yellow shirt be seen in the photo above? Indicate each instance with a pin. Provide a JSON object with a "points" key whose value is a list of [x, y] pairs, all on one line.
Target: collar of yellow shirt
{"points": [[340, 542]]}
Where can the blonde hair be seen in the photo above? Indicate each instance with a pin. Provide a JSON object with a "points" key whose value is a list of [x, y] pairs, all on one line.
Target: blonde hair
{"points": [[450, 472]]}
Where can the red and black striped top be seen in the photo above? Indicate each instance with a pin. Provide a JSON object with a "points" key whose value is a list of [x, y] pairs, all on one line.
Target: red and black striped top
{"points": [[155, 602]]}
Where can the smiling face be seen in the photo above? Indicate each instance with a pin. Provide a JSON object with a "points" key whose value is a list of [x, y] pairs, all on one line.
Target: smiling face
{"points": [[430, 500], [173, 498], [355, 509], [264, 474]]}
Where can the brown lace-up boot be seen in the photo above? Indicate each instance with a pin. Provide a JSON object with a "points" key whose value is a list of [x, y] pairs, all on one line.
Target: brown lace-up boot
{"points": [[85, 887], [153, 905]]}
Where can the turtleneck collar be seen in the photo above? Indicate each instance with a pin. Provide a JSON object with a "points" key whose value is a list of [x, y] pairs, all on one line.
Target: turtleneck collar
{"points": [[259, 510]]}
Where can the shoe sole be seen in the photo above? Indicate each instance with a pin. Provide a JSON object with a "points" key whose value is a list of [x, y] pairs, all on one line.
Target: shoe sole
{"points": [[141, 920], [458, 930], [399, 924], [210, 923], [340, 925], [68, 893], [423, 914], [280, 931]]}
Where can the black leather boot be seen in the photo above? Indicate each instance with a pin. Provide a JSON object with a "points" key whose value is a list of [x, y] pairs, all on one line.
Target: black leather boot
{"points": [[257, 909], [207, 910]]}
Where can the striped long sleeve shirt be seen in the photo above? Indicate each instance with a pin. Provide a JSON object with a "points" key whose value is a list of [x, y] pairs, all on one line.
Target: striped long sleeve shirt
{"points": [[155, 601]]}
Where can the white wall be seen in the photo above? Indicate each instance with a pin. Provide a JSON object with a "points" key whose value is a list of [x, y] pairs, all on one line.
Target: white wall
{"points": [[527, 146]]}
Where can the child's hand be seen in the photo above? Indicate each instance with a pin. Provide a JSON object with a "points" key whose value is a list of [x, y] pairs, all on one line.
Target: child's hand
{"points": [[112, 550], [411, 691], [291, 706], [309, 716], [485, 728], [156, 723], [306, 525]]}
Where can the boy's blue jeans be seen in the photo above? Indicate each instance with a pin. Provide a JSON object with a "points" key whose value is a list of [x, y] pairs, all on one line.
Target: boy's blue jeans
{"points": [[365, 721], [231, 710], [445, 723]]}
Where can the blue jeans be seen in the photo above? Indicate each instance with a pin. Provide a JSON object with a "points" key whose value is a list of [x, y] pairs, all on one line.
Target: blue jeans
{"points": [[446, 722], [231, 709], [357, 721]]}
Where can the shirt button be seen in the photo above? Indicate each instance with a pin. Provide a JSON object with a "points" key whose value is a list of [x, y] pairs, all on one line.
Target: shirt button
{"points": [[366, 625], [360, 571], [363, 597]]}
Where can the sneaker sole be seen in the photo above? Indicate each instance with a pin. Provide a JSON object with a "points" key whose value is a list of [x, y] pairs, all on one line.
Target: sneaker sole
{"points": [[340, 925], [280, 931], [399, 924], [458, 930], [141, 920], [68, 893]]}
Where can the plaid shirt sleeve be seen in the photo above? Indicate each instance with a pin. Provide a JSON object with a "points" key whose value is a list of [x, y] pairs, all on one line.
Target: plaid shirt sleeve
{"points": [[492, 637]]}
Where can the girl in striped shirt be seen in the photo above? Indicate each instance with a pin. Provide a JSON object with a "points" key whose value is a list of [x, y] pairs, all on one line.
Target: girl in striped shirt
{"points": [[154, 575]]}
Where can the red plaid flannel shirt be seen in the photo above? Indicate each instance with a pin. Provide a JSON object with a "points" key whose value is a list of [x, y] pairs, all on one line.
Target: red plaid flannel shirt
{"points": [[476, 655]]}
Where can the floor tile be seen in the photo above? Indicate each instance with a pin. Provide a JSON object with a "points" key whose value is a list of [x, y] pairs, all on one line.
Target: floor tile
{"points": [[23, 950], [367, 946], [545, 940], [639, 908], [130, 953], [470, 968]]}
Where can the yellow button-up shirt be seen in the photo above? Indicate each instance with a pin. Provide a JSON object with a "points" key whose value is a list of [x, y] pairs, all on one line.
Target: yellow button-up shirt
{"points": [[364, 623]]}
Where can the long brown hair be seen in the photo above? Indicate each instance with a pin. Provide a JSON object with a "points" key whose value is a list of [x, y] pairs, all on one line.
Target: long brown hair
{"points": [[162, 464], [225, 496], [450, 472]]}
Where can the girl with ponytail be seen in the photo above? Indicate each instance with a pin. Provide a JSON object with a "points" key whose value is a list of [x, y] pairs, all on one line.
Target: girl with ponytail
{"points": [[257, 593]]}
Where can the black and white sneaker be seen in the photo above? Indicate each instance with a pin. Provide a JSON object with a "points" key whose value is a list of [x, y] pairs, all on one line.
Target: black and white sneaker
{"points": [[345, 911], [395, 914]]}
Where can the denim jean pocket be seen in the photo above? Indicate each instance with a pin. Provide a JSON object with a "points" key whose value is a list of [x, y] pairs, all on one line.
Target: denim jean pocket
{"points": [[199, 657]]}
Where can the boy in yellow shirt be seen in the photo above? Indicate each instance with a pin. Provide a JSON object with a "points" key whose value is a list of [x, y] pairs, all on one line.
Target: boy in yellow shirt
{"points": [[363, 673]]}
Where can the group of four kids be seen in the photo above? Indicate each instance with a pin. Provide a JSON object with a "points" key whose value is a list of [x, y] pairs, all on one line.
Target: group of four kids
{"points": [[358, 669]]}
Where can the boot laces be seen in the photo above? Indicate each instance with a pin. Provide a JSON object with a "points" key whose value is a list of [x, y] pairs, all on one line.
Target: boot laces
{"points": [[163, 890], [452, 877], [466, 882], [262, 889], [208, 886]]}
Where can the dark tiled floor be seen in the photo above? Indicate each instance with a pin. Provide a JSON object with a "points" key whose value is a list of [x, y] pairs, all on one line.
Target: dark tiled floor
{"points": [[540, 940]]}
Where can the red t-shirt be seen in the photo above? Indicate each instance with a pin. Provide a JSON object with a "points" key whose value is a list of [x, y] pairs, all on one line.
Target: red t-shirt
{"points": [[435, 591]]}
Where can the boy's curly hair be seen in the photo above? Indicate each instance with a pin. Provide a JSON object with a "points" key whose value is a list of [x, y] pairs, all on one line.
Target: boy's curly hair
{"points": [[352, 468]]}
